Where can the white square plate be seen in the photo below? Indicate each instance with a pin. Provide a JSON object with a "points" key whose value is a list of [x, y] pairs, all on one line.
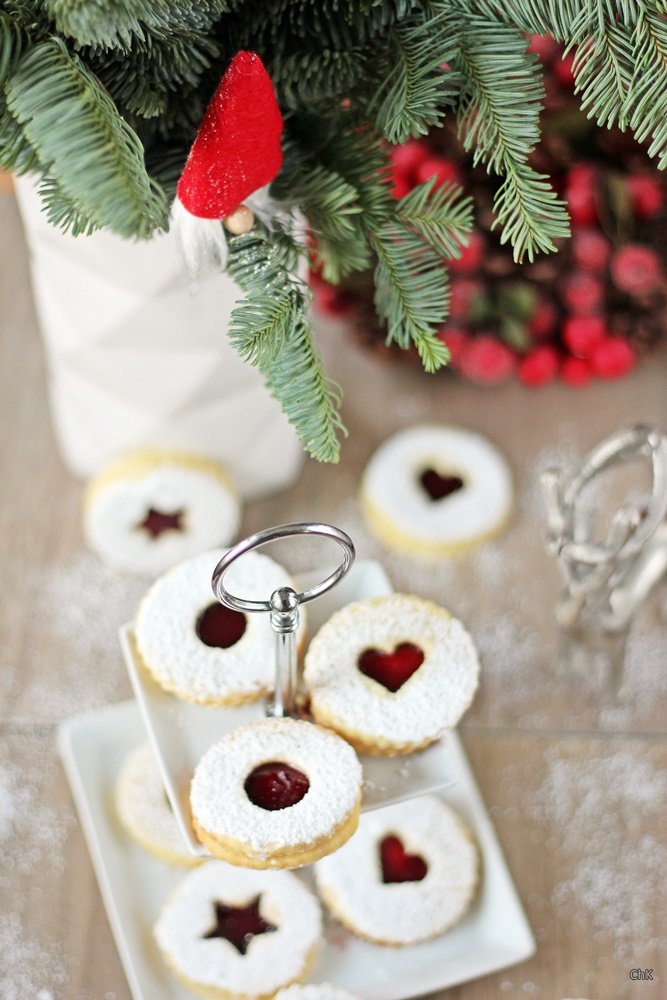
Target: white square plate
{"points": [[494, 934], [182, 732]]}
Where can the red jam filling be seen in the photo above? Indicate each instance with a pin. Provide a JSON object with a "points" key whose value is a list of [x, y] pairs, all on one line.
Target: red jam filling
{"points": [[398, 865], [156, 522], [239, 924], [220, 626], [276, 785], [391, 669], [438, 487]]}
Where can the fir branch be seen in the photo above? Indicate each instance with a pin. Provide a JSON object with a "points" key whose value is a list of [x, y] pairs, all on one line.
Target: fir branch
{"points": [[530, 213], [416, 89], [411, 291], [114, 24], [603, 69], [142, 78], [305, 78], [61, 211], [499, 119], [270, 328], [16, 154], [532, 16], [83, 143], [331, 206], [13, 42], [442, 216], [649, 84]]}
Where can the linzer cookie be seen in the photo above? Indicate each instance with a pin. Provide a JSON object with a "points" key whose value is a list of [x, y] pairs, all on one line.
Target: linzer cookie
{"points": [[277, 793], [435, 491], [408, 874], [150, 510], [144, 810], [315, 991], [391, 674], [200, 650], [239, 935]]}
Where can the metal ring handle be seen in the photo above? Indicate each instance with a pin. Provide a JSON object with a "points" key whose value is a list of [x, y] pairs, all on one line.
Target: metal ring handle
{"points": [[273, 535]]}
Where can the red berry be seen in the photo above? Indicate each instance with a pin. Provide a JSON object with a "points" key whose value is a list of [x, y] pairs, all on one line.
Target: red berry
{"points": [[543, 321], [332, 301], [437, 166], [463, 291], [539, 366], [487, 360], [454, 338], [635, 269], [583, 292], [590, 249], [544, 47], [647, 195], [401, 185], [562, 70], [582, 333], [471, 256], [613, 358], [575, 371], [406, 158], [580, 194]]}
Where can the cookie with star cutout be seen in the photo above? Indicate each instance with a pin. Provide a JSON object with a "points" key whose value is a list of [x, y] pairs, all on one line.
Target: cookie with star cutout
{"points": [[151, 509], [409, 873], [233, 934]]}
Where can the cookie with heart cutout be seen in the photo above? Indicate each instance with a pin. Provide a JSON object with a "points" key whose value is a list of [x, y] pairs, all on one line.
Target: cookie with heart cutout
{"points": [[435, 490], [409, 873], [391, 674]]}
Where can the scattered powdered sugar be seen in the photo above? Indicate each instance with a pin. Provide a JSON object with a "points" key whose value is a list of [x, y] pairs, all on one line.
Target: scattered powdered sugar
{"points": [[26, 820], [26, 964], [76, 611], [596, 811]]}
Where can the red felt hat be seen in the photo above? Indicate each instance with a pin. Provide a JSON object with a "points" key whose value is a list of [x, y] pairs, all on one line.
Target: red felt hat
{"points": [[237, 149]]}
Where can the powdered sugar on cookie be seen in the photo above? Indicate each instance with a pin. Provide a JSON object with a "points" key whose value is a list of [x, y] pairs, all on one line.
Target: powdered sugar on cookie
{"points": [[403, 912]]}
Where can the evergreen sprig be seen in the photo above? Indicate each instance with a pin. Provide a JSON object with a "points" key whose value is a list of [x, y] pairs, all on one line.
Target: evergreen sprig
{"points": [[83, 143], [442, 216], [498, 120], [270, 329], [416, 89], [406, 296]]}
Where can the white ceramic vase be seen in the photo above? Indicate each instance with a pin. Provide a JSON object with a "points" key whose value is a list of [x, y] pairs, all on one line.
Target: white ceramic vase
{"points": [[136, 360]]}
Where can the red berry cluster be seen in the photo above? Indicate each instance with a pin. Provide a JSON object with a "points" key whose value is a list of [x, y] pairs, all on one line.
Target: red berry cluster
{"points": [[581, 314]]}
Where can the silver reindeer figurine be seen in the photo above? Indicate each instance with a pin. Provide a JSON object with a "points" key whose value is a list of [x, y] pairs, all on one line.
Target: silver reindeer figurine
{"points": [[606, 581]]}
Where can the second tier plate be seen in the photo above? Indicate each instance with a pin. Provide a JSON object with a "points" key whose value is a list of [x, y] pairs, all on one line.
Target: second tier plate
{"points": [[182, 732]]}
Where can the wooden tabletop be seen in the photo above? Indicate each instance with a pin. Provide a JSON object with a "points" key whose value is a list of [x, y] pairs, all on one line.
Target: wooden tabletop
{"points": [[571, 775]]}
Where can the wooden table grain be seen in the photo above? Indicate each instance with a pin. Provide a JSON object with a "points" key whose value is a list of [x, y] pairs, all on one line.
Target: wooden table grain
{"points": [[572, 777]]}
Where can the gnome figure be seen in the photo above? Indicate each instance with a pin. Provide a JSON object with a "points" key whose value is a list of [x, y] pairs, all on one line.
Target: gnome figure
{"points": [[233, 159]]}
